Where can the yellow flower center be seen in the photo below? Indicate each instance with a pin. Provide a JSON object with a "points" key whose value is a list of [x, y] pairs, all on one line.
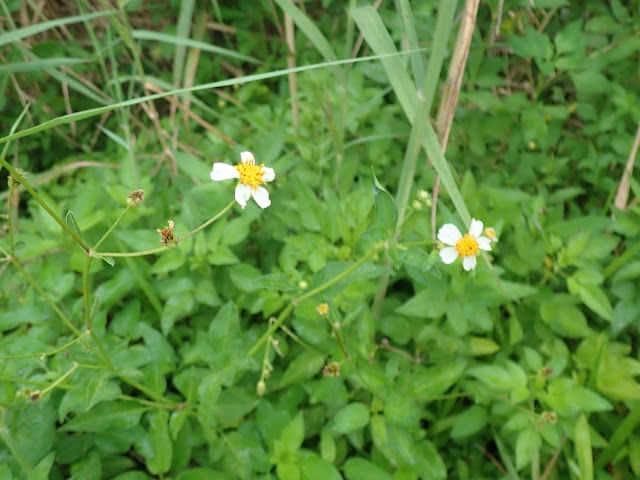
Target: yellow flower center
{"points": [[250, 173], [467, 246]]}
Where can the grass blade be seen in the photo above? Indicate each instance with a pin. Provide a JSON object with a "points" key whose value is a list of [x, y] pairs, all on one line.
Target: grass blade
{"points": [[307, 27], [81, 115], [40, 64], [19, 34], [378, 38], [187, 42]]}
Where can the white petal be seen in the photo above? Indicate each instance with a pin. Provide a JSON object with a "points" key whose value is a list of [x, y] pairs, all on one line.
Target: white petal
{"points": [[448, 255], [243, 193], [449, 234], [222, 171], [247, 157], [261, 196], [469, 263], [484, 243], [268, 174], [475, 230]]}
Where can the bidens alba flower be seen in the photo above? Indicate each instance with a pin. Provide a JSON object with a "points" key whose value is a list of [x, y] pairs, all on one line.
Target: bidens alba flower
{"points": [[250, 176], [467, 246]]}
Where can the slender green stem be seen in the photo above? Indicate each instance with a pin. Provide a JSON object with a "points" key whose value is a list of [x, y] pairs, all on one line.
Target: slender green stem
{"points": [[60, 380], [336, 333], [42, 203], [9, 218], [208, 222], [115, 224], [147, 391], [105, 357], [135, 254], [285, 313], [85, 291], [162, 249], [43, 354]]}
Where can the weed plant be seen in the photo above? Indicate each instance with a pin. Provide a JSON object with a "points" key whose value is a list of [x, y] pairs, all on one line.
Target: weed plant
{"points": [[424, 263]]}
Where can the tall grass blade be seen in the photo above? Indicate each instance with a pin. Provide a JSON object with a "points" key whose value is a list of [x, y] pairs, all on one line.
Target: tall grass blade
{"points": [[187, 42], [306, 26], [378, 38], [81, 115], [20, 33]]}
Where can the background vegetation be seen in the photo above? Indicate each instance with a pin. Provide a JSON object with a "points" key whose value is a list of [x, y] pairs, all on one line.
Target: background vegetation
{"points": [[210, 359]]}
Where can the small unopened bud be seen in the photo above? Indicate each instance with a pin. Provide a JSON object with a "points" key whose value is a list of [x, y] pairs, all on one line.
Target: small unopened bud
{"points": [[323, 309], [548, 417], [168, 237], [545, 372], [331, 369], [135, 198], [491, 234], [13, 181], [261, 388]]}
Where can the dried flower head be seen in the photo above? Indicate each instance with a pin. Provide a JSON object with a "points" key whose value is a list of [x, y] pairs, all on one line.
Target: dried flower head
{"points": [[548, 417], [135, 198], [331, 369], [168, 237], [545, 372]]}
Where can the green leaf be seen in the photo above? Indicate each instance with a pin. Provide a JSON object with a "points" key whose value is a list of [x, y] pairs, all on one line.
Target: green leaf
{"points": [[595, 298], [357, 468], [293, 434], [386, 212], [315, 467], [42, 469], [401, 410], [160, 446], [303, 367], [527, 446], [567, 398], [88, 467], [429, 382], [351, 418], [70, 219], [96, 387], [493, 376], [107, 416], [582, 439], [482, 346], [168, 262], [566, 320], [470, 422]]}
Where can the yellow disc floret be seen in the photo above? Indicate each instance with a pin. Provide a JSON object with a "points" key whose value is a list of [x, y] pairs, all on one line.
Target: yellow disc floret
{"points": [[467, 246], [250, 173]]}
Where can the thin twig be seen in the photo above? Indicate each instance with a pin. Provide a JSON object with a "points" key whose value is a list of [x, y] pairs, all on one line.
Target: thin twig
{"points": [[622, 196], [449, 101]]}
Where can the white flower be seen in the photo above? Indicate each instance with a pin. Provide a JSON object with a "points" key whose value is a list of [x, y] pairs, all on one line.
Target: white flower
{"points": [[250, 176], [466, 247]]}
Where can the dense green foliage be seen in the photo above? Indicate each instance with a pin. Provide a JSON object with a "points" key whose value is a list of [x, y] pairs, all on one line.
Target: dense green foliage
{"points": [[214, 357]]}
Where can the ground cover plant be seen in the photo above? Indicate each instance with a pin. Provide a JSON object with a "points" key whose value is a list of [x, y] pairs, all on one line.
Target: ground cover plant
{"points": [[319, 239]]}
